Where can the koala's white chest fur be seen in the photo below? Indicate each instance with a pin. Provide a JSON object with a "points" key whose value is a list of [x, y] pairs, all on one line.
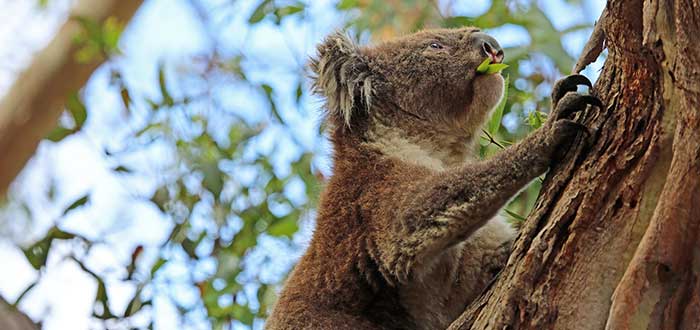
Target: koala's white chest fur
{"points": [[392, 144], [424, 151]]}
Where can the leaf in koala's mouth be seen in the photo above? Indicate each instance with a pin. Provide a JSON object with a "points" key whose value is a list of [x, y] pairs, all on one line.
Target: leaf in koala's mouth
{"points": [[487, 68]]}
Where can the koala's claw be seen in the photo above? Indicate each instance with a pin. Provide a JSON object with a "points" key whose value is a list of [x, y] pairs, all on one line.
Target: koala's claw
{"points": [[573, 102], [569, 128], [568, 84], [579, 128], [565, 130]]}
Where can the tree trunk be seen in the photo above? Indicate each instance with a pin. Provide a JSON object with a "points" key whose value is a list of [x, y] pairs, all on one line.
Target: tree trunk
{"points": [[12, 319], [613, 239], [33, 104]]}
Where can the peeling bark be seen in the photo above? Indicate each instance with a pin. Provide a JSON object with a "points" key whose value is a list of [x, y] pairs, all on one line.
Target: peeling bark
{"points": [[578, 262], [34, 103]]}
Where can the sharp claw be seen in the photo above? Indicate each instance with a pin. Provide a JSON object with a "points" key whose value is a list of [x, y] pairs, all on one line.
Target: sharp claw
{"points": [[582, 128], [575, 103], [569, 84], [578, 79]]}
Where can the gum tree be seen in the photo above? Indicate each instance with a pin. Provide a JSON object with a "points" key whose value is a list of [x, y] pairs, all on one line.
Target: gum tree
{"points": [[613, 239]]}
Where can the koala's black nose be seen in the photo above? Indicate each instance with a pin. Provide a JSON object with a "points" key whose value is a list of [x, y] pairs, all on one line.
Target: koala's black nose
{"points": [[489, 46]]}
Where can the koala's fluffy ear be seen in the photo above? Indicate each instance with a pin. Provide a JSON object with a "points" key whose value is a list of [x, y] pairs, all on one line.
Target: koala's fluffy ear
{"points": [[341, 73]]}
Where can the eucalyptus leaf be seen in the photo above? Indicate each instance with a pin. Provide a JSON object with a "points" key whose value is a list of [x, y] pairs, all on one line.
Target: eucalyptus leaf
{"points": [[77, 110], [59, 133], [496, 68], [260, 12], [77, 203], [495, 122], [484, 66], [287, 226]]}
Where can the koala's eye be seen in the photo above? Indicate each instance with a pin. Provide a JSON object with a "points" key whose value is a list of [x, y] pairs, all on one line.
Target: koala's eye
{"points": [[435, 45]]}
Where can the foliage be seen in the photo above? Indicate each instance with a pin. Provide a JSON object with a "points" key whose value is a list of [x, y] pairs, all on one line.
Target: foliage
{"points": [[219, 212]]}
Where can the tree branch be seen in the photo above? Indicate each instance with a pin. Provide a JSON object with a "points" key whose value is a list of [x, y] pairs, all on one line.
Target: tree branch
{"points": [[34, 103], [12, 319]]}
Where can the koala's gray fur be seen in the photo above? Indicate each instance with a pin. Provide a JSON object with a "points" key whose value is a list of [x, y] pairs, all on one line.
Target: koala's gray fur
{"points": [[406, 236]]}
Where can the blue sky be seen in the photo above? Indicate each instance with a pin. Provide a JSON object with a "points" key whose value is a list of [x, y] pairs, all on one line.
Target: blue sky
{"points": [[163, 30]]}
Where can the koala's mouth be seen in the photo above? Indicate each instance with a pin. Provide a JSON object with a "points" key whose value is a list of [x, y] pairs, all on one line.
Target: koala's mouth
{"points": [[494, 53], [493, 61]]}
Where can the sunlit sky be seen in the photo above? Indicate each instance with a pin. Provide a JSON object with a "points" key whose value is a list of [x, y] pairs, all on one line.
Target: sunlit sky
{"points": [[162, 30]]}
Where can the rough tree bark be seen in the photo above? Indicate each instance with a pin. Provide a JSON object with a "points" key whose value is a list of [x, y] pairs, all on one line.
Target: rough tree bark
{"points": [[613, 240], [33, 104]]}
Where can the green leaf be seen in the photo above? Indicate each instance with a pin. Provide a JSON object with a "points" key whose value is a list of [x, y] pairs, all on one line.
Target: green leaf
{"points": [[244, 239], [77, 109], [347, 4], [289, 10], [101, 294], [487, 68], [273, 107], [299, 92], [102, 299], [266, 298], [122, 169], [260, 12], [157, 265], [111, 31], [167, 98], [97, 40], [148, 128], [135, 305], [213, 178], [287, 226], [536, 118], [161, 197], [56, 233], [243, 314], [38, 252], [484, 66], [495, 121], [87, 54], [457, 21], [79, 202], [59, 133], [496, 68], [190, 247], [515, 215]]}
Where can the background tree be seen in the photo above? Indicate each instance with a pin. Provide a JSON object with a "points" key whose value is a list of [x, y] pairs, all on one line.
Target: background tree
{"points": [[223, 146]]}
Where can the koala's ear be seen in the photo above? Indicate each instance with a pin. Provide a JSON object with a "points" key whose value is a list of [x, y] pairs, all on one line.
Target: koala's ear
{"points": [[341, 73]]}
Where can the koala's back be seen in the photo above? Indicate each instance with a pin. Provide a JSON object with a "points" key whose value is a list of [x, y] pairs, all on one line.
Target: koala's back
{"points": [[336, 284]]}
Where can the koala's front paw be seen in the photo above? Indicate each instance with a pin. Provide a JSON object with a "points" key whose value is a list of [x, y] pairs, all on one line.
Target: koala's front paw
{"points": [[566, 101], [568, 84]]}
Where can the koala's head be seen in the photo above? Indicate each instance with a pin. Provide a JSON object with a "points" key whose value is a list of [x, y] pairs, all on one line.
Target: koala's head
{"points": [[429, 75]]}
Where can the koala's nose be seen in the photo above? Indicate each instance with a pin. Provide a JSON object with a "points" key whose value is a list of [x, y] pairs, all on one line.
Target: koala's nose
{"points": [[489, 46]]}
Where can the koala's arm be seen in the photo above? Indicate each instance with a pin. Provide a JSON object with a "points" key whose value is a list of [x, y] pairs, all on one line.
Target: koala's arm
{"points": [[445, 208]]}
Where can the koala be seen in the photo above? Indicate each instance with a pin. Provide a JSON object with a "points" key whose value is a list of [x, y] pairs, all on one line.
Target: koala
{"points": [[407, 233]]}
